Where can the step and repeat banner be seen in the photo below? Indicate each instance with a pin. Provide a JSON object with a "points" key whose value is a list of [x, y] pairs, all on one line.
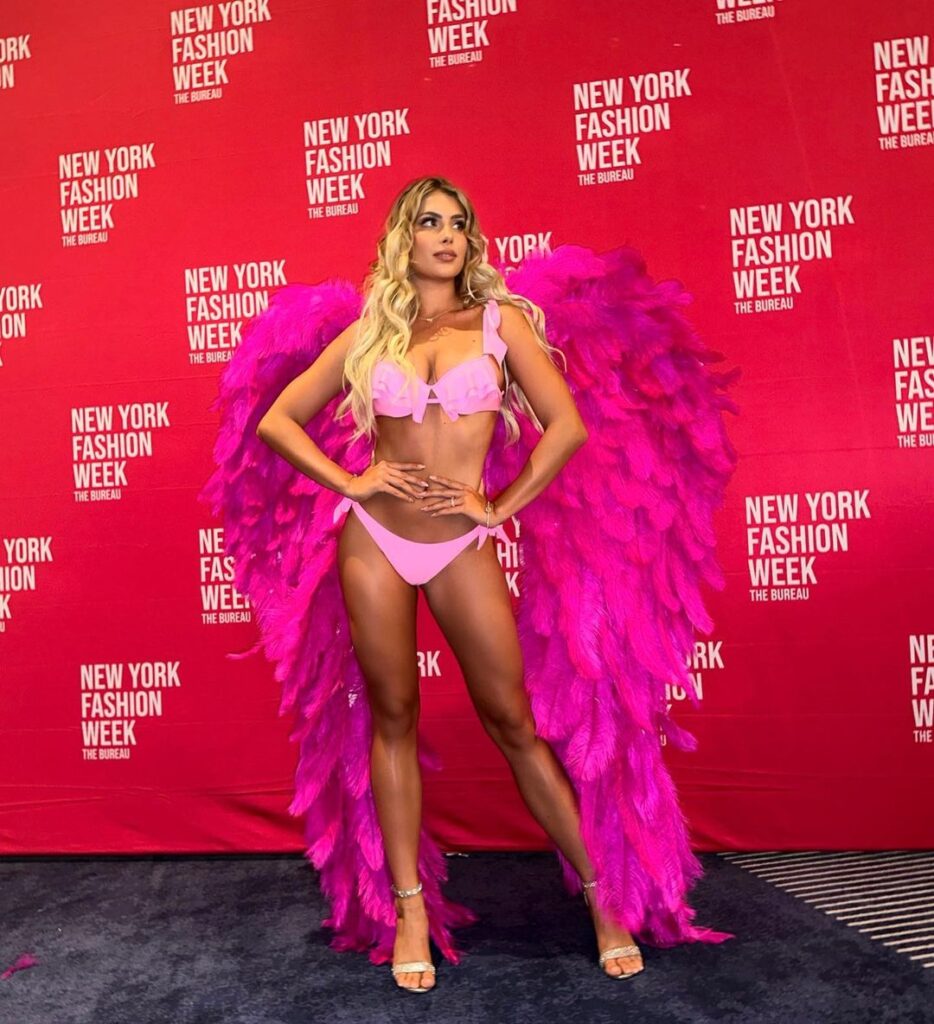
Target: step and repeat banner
{"points": [[164, 169]]}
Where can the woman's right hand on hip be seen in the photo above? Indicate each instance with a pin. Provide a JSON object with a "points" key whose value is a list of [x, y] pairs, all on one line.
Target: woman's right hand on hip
{"points": [[388, 478]]}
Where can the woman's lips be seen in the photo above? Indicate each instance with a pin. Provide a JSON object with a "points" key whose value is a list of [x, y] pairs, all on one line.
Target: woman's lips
{"points": [[445, 257]]}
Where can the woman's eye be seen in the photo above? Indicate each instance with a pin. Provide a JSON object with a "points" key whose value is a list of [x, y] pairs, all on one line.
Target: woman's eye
{"points": [[425, 221]]}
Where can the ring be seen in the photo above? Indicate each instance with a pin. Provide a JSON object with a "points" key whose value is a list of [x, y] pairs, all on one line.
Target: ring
{"points": [[452, 501]]}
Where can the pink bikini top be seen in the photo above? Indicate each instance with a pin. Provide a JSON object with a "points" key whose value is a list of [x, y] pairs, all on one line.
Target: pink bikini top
{"points": [[470, 386]]}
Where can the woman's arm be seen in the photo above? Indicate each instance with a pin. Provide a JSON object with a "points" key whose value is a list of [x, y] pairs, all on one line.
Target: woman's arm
{"points": [[283, 426], [550, 397]]}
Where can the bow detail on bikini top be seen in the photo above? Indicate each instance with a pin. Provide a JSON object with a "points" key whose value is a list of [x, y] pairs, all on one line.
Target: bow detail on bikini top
{"points": [[470, 386]]}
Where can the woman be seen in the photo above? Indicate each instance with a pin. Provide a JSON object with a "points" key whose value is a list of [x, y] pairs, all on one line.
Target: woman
{"points": [[436, 367], [423, 486]]}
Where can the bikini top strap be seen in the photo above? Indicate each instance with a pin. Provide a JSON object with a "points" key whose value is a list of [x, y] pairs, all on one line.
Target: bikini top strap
{"points": [[492, 342]]}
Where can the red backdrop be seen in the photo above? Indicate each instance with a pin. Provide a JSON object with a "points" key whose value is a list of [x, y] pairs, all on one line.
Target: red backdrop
{"points": [[164, 170]]}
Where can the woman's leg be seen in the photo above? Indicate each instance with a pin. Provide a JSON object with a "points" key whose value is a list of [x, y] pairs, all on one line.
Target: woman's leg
{"points": [[381, 611], [470, 601]]}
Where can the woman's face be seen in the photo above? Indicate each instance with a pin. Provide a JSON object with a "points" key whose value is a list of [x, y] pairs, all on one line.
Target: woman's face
{"points": [[439, 229]]}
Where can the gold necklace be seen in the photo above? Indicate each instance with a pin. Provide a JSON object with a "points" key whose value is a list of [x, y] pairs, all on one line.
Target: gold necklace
{"points": [[431, 319]]}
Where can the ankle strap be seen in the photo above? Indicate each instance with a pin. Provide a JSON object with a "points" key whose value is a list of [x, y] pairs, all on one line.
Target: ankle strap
{"points": [[406, 892], [589, 885]]}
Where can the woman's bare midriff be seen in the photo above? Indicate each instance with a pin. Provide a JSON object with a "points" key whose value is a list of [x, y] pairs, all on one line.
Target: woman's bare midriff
{"points": [[453, 448]]}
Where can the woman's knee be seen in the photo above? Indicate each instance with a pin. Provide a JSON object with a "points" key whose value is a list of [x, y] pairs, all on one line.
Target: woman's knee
{"points": [[395, 718], [510, 726]]}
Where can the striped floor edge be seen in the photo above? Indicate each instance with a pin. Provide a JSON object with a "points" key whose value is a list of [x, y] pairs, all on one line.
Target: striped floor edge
{"points": [[888, 895]]}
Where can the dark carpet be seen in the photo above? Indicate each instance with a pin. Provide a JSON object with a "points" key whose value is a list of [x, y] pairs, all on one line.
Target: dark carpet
{"points": [[237, 940]]}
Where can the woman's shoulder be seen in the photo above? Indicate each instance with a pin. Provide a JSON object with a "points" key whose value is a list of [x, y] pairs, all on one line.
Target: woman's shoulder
{"points": [[507, 311], [514, 325], [513, 301], [348, 336]]}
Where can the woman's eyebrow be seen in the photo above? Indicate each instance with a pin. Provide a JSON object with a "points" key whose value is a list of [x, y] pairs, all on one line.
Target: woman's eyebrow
{"points": [[433, 214]]}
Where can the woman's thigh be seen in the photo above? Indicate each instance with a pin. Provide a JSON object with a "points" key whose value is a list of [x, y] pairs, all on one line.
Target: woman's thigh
{"points": [[381, 609], [470, 601]]}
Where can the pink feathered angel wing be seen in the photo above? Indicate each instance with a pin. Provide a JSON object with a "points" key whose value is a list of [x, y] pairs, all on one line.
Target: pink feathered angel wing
{"points": [[605, 618], [614, 552], [280, 534]]}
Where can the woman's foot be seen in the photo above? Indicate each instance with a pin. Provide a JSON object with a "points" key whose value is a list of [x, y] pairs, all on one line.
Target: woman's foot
{"points": [[412, 941], [611, 935]]}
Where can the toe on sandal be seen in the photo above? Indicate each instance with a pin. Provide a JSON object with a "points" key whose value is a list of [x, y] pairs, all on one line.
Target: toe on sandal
{"points": [[621, 951], [412, 967]]}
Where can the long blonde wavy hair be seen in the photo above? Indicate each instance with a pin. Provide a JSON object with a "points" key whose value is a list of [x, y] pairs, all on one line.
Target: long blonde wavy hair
{"points": [[391, 305]]}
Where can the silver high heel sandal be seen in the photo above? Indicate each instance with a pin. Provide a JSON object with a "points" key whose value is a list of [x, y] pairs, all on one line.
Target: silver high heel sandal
{"points": [[411, 966], [615, 951]]}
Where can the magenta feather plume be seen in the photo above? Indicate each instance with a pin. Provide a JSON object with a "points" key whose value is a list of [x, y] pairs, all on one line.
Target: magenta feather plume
{"points": [[615, 550]]}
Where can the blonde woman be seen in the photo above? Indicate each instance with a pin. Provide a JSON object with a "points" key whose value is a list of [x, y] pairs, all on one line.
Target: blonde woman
{"points": [[441, 355]]}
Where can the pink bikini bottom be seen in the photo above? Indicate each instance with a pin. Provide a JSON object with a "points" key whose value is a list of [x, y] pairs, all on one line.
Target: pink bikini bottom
{"points": [[416, 561]]}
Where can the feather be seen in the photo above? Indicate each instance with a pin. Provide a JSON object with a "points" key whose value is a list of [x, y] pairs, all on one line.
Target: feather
{"points": [[653, 470], [281, 537]]}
